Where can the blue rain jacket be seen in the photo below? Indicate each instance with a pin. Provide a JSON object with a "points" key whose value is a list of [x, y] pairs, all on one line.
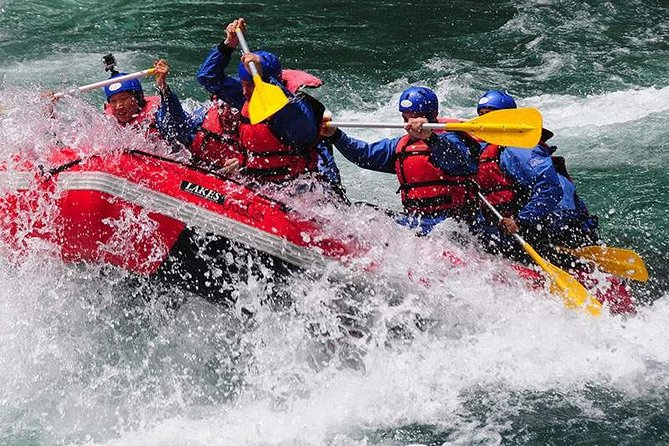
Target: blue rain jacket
{"points": [[572, 213], [534, 171]]}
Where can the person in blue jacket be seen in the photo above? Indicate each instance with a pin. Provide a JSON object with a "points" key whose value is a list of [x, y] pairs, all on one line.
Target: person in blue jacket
{"points": [[291, 134], [160, 115], [527, 188], [572, 225], [435, 169]]}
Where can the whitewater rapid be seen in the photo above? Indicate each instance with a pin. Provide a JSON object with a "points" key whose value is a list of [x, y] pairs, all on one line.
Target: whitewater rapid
{"points": [[90, 355]]}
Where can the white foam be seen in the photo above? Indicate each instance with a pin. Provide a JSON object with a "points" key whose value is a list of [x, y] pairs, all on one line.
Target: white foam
{"points": [[562, 112], [64, 70]]}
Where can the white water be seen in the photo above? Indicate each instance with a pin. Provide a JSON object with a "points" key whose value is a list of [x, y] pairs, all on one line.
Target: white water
{"points": [[85, 360], [80, 361]]}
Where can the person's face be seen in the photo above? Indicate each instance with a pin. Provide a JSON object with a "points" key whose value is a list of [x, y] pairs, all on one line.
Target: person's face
{"points": [[124, 106], [247, 87], [483, 110]]}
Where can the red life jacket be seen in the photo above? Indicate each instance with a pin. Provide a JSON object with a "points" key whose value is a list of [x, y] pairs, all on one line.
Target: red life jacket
{"points": [[146, 118], [217, 139], [498, 188], [267, 158], [425, 188]]}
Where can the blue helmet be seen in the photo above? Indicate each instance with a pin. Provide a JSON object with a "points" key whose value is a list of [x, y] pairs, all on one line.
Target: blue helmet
{"points": [[419, 100], [271, 67], [496, 99], [130, 85]]}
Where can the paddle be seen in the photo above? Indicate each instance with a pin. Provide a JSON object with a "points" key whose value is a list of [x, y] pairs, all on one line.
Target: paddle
{"points": [[621, 262], [517, 127], [101, 84], [573, 293], [266, 99]]}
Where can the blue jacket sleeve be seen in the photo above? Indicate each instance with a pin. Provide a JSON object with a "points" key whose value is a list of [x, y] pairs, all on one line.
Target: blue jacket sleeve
{"points": [[534, 170], [378, 156], [451, 154], [212, 77], [172, 121]]}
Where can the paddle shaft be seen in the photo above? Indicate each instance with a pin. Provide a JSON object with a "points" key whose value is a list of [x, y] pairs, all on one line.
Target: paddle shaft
{"points": [[526, 246], [500, 217], [246, 50], [105, 83], [380, 125], [518, 127], [464, 126]]}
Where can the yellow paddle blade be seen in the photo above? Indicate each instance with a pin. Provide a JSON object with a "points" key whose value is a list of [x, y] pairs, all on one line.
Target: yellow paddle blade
{"points": [[266, 100], [621, 262], [572, 292], [517, 127]]}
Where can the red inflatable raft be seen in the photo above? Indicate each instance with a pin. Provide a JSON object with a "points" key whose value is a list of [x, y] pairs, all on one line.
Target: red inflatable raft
{"points": [[161, 218]]}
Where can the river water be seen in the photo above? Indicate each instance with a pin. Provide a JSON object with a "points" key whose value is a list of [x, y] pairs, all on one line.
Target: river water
{"points": [[85, 358]]}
